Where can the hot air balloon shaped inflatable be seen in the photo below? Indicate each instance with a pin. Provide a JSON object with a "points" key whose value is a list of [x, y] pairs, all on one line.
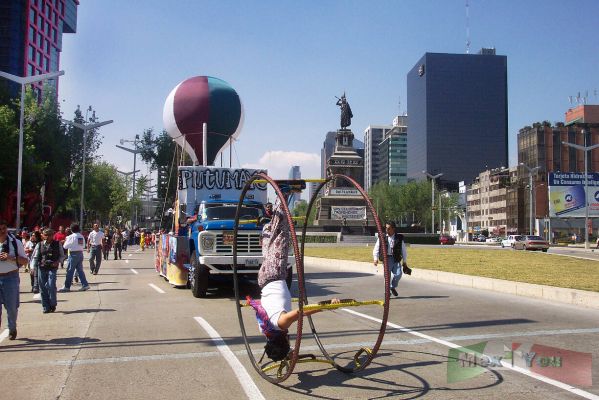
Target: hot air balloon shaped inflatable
{"points": [[199, 100]]}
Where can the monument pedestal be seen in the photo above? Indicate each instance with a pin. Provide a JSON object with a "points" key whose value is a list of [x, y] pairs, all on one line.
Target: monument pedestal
{"points": [[342, 208]]}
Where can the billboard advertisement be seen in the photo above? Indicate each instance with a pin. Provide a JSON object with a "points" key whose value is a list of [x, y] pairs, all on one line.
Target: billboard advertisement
{"points": [[567, 194]]}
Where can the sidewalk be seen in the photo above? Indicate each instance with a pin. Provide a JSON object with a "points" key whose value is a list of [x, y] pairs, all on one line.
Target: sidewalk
{"points": [[550, 293]]}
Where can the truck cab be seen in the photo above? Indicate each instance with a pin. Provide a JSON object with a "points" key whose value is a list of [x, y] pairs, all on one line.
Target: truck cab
{"points": [[211, 241]]}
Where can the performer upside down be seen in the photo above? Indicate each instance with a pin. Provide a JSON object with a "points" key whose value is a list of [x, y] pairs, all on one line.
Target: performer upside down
{"points": [[273, 311]]}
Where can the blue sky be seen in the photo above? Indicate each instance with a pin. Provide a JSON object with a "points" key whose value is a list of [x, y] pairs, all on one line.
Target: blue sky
{"points": [[289, 59]]}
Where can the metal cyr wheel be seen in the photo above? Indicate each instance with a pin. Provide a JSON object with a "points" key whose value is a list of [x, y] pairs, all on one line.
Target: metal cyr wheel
{"points": [[286, 367], [369, 353]]}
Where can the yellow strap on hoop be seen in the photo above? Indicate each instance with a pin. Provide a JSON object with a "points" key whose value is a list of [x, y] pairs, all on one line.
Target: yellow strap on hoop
{"points": [[343, 303], [327, 305]]}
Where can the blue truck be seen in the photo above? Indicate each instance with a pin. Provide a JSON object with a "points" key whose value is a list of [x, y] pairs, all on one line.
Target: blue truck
{"points": [[200, 247]]}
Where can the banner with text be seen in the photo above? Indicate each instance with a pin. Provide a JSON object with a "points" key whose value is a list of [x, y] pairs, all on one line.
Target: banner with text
{"points": [[567, 194], [348, 212]]}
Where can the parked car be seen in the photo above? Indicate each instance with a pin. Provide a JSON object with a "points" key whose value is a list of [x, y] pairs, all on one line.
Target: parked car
{"points": [[509, 242], [480, 238], [446, 239], [530, 242], [494, 239]]}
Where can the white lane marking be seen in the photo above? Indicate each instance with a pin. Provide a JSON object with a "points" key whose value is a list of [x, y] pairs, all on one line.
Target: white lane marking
{"points": [[3, 335], [134, 271], [156, 288], [37, 296], [242, 353], [248, 385], [126, 261], [505, 364]]}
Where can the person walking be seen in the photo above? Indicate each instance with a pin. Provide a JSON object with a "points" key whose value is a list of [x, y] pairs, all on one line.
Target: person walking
{"points": [[396, 255], [31, 250], [117, 243], [142, 241], [48, 258], [75, 244], [60, 237], [12, 256], [125, 239], [106, 244], [94, 247]]}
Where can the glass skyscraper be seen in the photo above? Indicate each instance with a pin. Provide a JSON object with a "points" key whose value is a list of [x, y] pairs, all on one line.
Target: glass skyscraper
{"points": [[31, 36], [457, 105]]}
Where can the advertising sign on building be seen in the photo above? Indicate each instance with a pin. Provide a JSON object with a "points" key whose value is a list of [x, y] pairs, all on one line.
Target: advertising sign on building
{"points": [[348, 212], [567, 194]]}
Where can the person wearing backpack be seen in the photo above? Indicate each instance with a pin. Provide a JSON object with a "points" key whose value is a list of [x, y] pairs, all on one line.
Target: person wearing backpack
{"points": [[12, 256], [48, 259]]}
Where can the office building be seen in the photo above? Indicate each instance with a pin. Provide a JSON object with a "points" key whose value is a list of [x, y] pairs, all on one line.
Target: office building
{"points": [[373, 136], [294, 173], [540, 145], [457, 105], [31, 37], [393, 153]]}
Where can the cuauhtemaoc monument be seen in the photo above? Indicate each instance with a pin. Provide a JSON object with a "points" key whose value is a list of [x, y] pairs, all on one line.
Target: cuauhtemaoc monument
{"points": [[341, 207]]}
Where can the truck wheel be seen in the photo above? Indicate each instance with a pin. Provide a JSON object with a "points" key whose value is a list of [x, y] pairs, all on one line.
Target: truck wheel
{"points": [[199, 278]]}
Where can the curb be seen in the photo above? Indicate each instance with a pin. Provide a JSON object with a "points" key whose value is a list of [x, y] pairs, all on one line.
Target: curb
{"points": [[551, 293]]}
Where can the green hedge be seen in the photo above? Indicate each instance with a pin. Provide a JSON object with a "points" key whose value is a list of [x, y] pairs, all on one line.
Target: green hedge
{"points": [[433, 239], [320, 239]]}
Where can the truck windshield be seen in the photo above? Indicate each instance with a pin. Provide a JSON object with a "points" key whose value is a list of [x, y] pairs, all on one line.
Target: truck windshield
{"points": [[228, 213]]}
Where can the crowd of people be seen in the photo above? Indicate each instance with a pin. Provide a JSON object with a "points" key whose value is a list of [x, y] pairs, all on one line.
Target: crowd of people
{"points": [[43, 251]]}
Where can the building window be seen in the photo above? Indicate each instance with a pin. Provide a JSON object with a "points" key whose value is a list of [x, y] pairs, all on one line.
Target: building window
{"points": [[31, 53], [29, 70], [31, 16]]}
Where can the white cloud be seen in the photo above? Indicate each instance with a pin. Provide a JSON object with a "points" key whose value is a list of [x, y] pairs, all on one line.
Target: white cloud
{"points": [[278, 163]]}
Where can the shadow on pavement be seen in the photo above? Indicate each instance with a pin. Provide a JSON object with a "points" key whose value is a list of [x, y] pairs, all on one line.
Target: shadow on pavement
{"points": [[86, 310], [472, 324], [407, 385]]}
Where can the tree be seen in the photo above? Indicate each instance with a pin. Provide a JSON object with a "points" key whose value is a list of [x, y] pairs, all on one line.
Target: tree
{"points": [[409, 202], [160, 151], [105, 193], [300, 210]]}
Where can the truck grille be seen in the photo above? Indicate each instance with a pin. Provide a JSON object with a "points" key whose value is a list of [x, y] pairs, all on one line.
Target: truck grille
{"points": [[247, 243]]}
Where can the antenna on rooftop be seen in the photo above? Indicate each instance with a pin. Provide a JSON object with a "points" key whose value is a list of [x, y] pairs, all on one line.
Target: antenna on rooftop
{"points": [[467, 28]]}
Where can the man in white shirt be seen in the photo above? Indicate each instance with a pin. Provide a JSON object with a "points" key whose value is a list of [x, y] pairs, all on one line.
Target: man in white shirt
{"points": [[12, 256], [94, 247], [396, 254], [75, 244]]}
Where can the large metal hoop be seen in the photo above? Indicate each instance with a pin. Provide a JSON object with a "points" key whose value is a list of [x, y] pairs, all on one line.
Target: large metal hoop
{"points": [[358, 366], [293, 358]]}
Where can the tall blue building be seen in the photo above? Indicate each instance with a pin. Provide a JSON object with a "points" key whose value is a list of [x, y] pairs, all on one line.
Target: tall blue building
{"points": [[457, 105], [31, 37]]}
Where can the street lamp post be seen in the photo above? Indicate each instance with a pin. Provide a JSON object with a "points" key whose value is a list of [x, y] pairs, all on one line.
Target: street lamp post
{"points": [[530, 185], [24, 81], [585, 148], [84, 128], [433, 177], [135, 152]]}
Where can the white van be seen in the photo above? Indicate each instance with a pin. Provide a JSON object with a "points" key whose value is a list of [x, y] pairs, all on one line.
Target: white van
{"points": [[509, 242]]}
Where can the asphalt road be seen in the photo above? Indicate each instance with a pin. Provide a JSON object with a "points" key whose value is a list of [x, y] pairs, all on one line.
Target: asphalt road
{"points": [[132, 336]]}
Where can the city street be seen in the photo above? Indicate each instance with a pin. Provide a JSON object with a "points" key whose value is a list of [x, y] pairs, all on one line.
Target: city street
{"points": [[133, 336]]}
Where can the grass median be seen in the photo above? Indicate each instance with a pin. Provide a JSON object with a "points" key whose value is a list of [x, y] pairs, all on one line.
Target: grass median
{"points": [[520, 266]]}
